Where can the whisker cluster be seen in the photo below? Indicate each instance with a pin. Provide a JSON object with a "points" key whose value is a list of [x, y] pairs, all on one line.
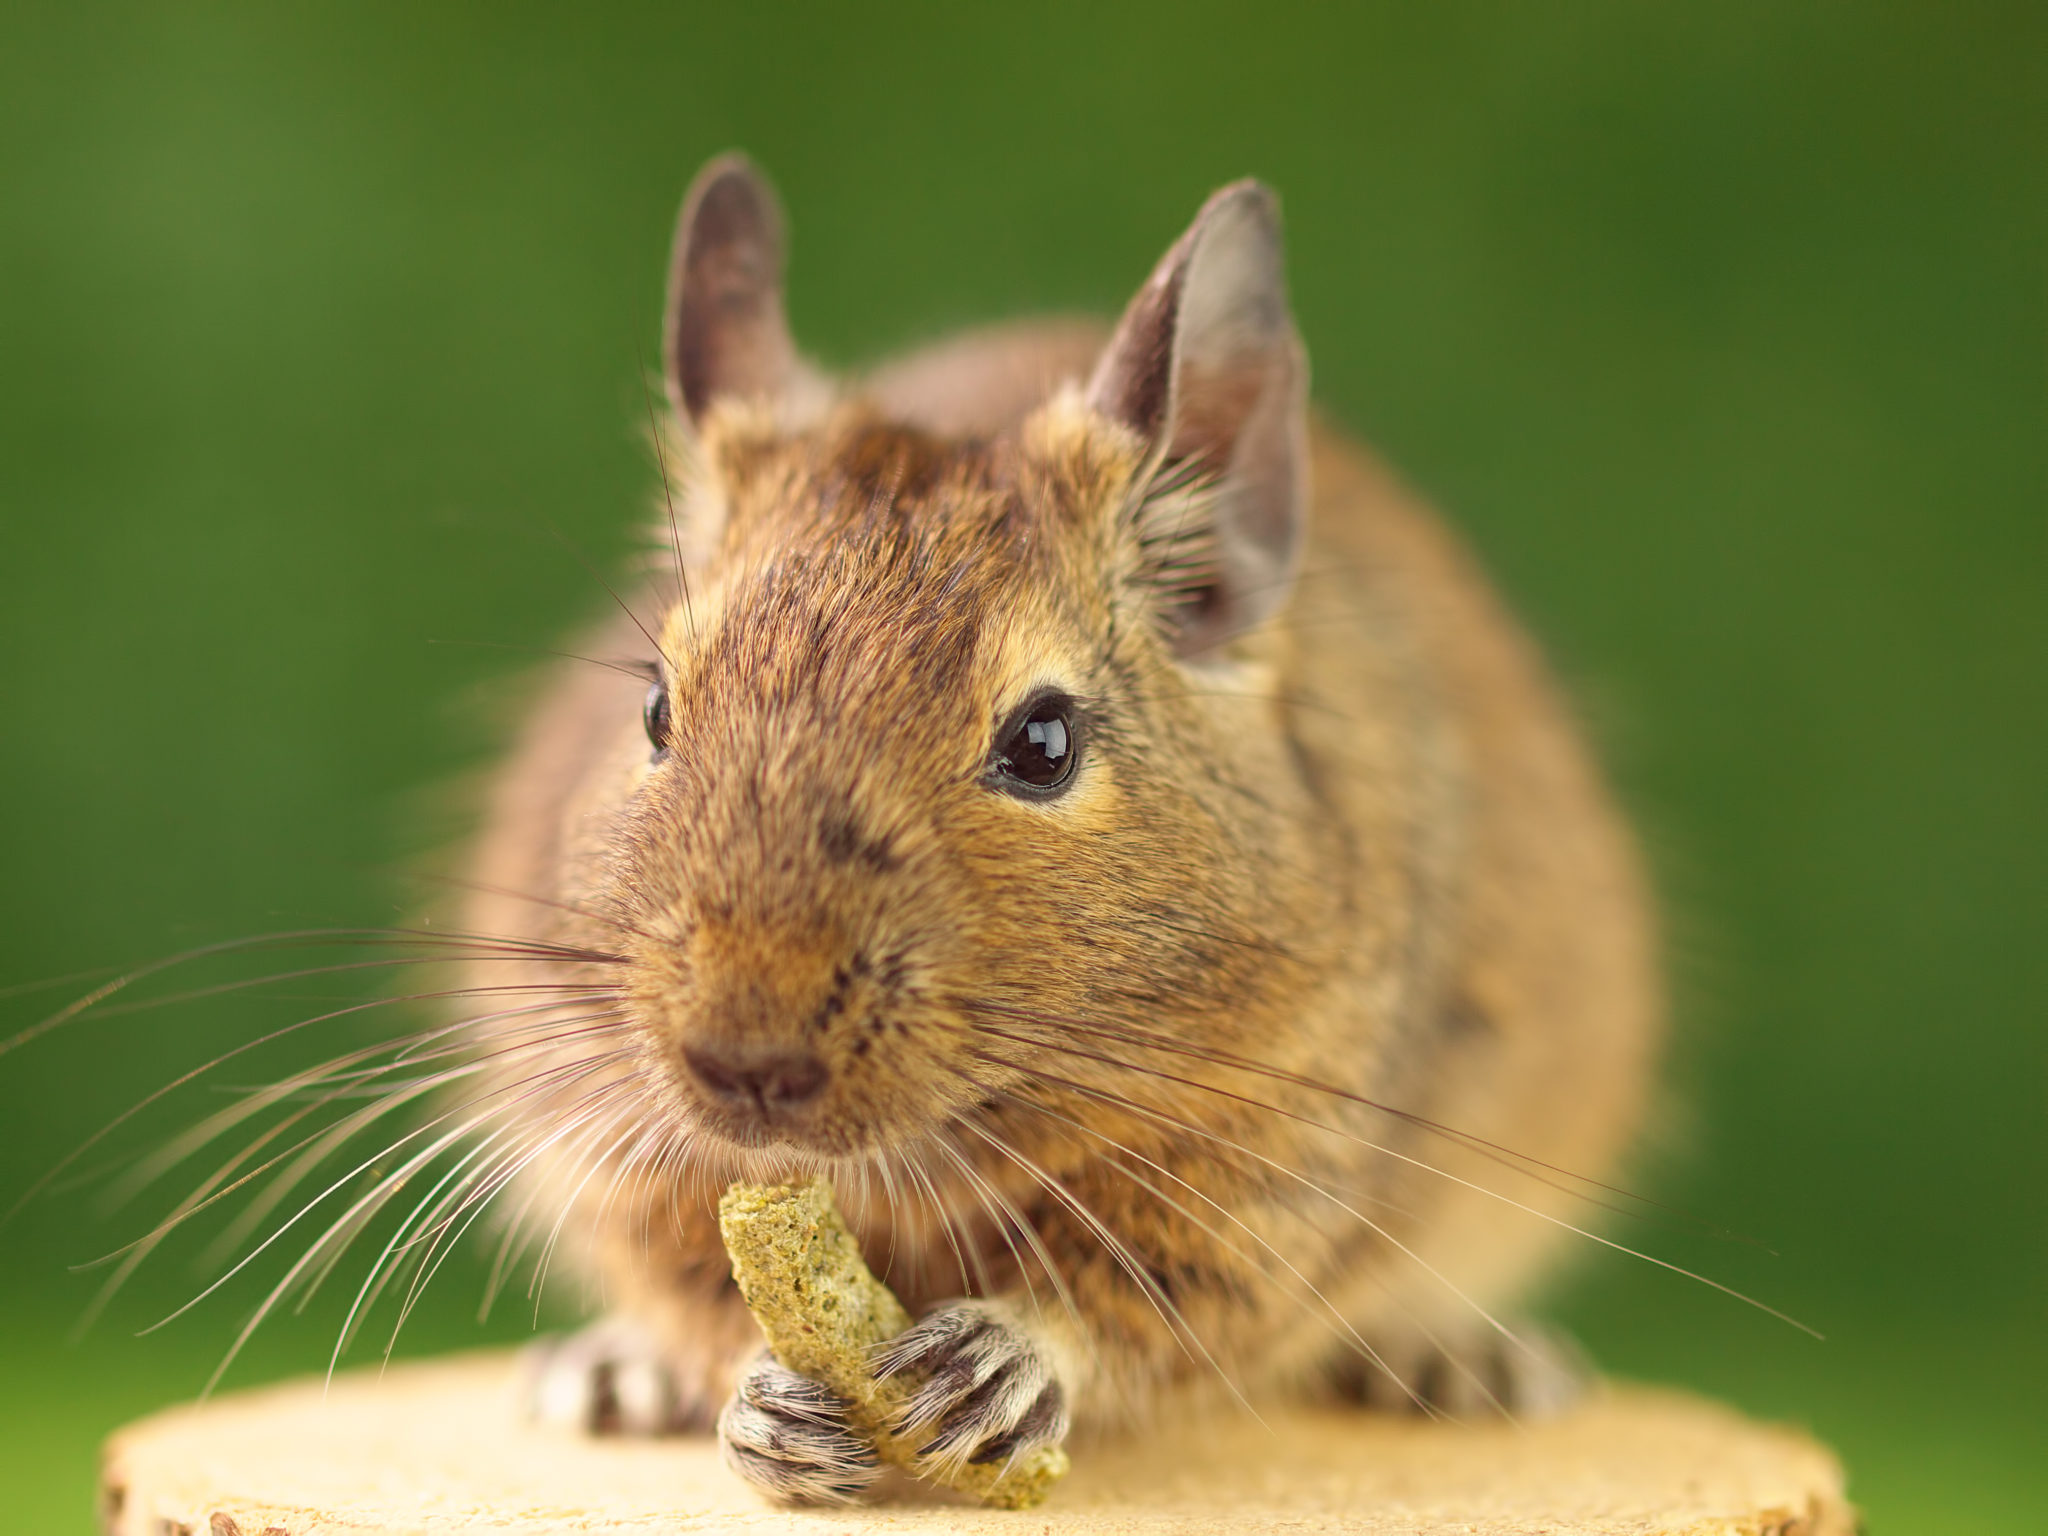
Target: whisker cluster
{"points": [[534, 1093]]}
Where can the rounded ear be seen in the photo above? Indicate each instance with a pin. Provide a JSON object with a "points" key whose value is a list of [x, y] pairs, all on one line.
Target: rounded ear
{"points": [[1206, 367], [725, 333]]}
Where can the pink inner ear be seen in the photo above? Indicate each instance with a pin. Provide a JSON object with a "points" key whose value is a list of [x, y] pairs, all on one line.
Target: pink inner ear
{"points": [[1206, 366], [726, 330], [1133, 382], [1213, 405]]}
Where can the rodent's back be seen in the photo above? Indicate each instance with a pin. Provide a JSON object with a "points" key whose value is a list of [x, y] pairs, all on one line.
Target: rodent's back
{"points": [[1547, 1010]]}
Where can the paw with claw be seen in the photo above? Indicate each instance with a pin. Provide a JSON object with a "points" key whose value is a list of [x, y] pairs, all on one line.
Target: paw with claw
{"points": [[988, 1394], [610, 1378], [1524, 1372], [789, 1437]]}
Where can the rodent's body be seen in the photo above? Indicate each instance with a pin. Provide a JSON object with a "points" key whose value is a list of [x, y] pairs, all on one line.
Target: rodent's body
{"points": [[1350, 849]]}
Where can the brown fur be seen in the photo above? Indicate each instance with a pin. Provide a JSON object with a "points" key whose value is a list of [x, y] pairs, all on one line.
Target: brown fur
{"points": [[1361, 843]]}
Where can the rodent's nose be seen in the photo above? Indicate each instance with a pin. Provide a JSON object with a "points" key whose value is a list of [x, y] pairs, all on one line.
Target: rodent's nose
{"points": [[780, 1081]]}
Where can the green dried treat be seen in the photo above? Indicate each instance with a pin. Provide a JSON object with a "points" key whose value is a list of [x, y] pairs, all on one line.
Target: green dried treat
{"points": [[824, 1312]]}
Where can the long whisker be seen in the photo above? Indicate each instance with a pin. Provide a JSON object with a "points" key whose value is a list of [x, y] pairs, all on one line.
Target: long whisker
{"points": [[943, 1214], [352, 1220], [1402, 1157], [367, 1292], [624, 606], [388, 1182], [1005, 1217], [668, 496], [1172, 1122], [538, 1284], [481, 887], [410, 1051], [287, 939], [588, 1027], [442, 1245], [1506, 1156], [51, 983], [319, 1146], [36, 1189], [641, 670], [1335, 1320], [414, 1256], [1169, 1312]]}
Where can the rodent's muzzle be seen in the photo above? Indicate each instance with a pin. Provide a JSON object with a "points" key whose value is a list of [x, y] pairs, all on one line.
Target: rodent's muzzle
{"points": [[791, 1029]]}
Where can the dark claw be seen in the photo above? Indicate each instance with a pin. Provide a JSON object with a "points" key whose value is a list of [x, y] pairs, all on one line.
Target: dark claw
{"points": [[1045, 1422], [610, 1378], [788, 1395], [788, 1436], [1535, 1375], [988, 1392], [779, 1480]]}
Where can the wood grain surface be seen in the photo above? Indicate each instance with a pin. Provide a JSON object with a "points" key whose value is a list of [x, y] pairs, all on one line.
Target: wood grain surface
{"points": [[441, 1447]]}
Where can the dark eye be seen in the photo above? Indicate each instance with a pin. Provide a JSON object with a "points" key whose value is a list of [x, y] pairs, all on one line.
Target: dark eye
{"points": [[654, 715], [1038, 749]]}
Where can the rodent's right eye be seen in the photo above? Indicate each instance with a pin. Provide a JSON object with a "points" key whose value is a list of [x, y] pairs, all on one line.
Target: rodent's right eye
{"points": [[654, 715], [1040, 746]]}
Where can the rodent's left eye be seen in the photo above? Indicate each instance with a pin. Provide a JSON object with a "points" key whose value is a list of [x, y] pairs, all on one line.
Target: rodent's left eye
{"points": [[654, 715], [1038, 749]]}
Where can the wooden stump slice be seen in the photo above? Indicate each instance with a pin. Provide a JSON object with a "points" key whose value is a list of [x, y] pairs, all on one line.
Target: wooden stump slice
{"points": [[441, 1447]]}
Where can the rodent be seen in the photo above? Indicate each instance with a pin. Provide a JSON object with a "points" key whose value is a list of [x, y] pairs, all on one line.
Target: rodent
{"points": [[1083, 803]]}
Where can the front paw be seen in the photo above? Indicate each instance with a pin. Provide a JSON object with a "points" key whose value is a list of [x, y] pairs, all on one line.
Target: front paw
{"points": [[611, 1377], [989, 1394], [1532, 1373], [789, 1437]]}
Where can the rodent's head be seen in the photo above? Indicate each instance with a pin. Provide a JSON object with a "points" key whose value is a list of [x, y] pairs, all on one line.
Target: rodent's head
{"points": [[952, 740]]}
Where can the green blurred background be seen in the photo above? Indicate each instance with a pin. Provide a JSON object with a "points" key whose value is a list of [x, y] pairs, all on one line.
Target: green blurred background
{"points": [[1719, 327]]}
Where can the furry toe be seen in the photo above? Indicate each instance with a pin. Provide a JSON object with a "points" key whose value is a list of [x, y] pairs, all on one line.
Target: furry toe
{"points": [[788, 1436], [989, 1393], [1535, 1373], [610, 1378]]}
